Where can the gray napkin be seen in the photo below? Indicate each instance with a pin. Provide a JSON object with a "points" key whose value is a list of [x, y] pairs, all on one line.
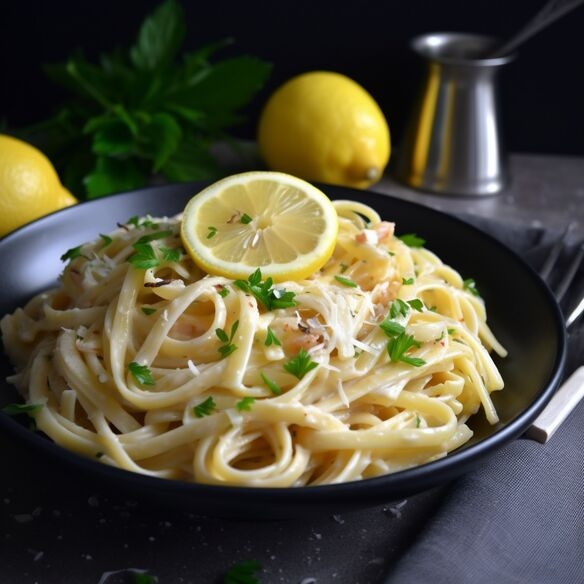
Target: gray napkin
{"points": [[520, 517]]}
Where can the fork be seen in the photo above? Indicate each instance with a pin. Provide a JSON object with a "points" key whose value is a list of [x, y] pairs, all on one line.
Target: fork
{"points": [[571, 391]]}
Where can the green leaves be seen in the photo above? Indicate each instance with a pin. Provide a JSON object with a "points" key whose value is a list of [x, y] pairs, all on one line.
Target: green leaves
{"points": [[399, 341], [160, 37], [17, 409], [300, 365], [205, 408], [144, 112], [269, 297], [412, 240], [227, 347], [141, 373]]}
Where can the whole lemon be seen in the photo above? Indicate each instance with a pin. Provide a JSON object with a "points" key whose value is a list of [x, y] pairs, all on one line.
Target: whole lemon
{"points": [[323, 126], [29, 185]]}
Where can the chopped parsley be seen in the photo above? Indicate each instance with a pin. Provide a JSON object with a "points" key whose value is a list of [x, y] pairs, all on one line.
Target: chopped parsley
{"points": [[470, 286], [17, 409], [245, 219], [244, 404], [227, 347], [154, 236], [171, 254], [145, 256], [346, 281], [223, 292], [72, 253], [399, 345], [398, 308], [141, 373], [243, 573], [272, 339], [211, 232], [106, 239], [407, 281], [416, 304], [205, 408], [269, 297], [412, 240], [391, 328], [300, 365], [144, 222], [272, 385], [148, 310]]}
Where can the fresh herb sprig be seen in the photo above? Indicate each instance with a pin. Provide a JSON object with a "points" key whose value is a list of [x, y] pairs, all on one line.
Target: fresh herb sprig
{"points": [[300, 365], [270, 297], [145, 111], [400, 342], [141, 373]]}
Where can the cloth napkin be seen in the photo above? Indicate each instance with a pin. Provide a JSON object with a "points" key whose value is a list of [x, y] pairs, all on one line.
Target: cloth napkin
{"points": [[520, 517]]}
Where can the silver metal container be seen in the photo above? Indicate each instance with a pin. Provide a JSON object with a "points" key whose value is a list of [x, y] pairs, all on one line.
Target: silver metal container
{"points": [[453, 143]]}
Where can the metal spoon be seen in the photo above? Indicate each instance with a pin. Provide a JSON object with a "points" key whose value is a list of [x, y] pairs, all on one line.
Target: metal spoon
{"points": [[549, 13]]}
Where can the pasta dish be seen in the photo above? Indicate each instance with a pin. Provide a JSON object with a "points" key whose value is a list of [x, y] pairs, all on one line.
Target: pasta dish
{"points": [[372, 365]]}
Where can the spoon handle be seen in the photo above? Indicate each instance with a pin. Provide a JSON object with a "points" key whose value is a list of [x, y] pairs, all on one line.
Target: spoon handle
{"points": [[549, 13]]}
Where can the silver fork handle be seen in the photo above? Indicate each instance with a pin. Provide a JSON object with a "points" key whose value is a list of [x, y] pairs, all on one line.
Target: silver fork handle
{"points": [[559, 407]]}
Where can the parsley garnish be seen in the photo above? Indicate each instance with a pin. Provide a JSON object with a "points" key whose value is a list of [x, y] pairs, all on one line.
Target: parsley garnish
{"points": [[346, 281], [272, 385], [391, 328], [16, 409], [223, 292], [244, 404], [470, 286], [412, 240], [245, 219], [300, 365], [154, 236], [147, 310], [212, 231], [171, 254], [397, 347], [205, 408], [398, 308], [228, 347], [145, 256], [271, 298], [272, 339], [106, 239], [72, 253], [242, 573], [141, 373], [141, 222], [418, 421], [407, 281], [416, 304]]}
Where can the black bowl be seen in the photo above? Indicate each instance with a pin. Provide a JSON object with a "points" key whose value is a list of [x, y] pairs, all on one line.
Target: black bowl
{"points": [[522, 313]]}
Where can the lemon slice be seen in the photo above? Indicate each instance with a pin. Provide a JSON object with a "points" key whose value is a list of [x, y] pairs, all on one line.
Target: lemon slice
{"points": [[269, 220]]}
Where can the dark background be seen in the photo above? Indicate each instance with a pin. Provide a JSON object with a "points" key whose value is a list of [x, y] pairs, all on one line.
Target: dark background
{"points": [[542, 91]]}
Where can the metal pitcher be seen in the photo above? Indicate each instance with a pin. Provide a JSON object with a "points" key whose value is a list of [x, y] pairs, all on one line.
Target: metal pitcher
{"points": [[453, 143]]}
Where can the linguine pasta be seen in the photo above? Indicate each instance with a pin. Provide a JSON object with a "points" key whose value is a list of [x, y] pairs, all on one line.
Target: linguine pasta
{"points": [[372, 365]]}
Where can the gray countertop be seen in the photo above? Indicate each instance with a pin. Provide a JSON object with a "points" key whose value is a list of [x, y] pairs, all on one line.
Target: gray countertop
{"points": [[543, 191]]}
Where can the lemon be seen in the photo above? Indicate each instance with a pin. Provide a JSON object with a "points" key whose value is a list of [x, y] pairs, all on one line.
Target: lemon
{"points": [[324, 126], [29, 185], [269, 220]]}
